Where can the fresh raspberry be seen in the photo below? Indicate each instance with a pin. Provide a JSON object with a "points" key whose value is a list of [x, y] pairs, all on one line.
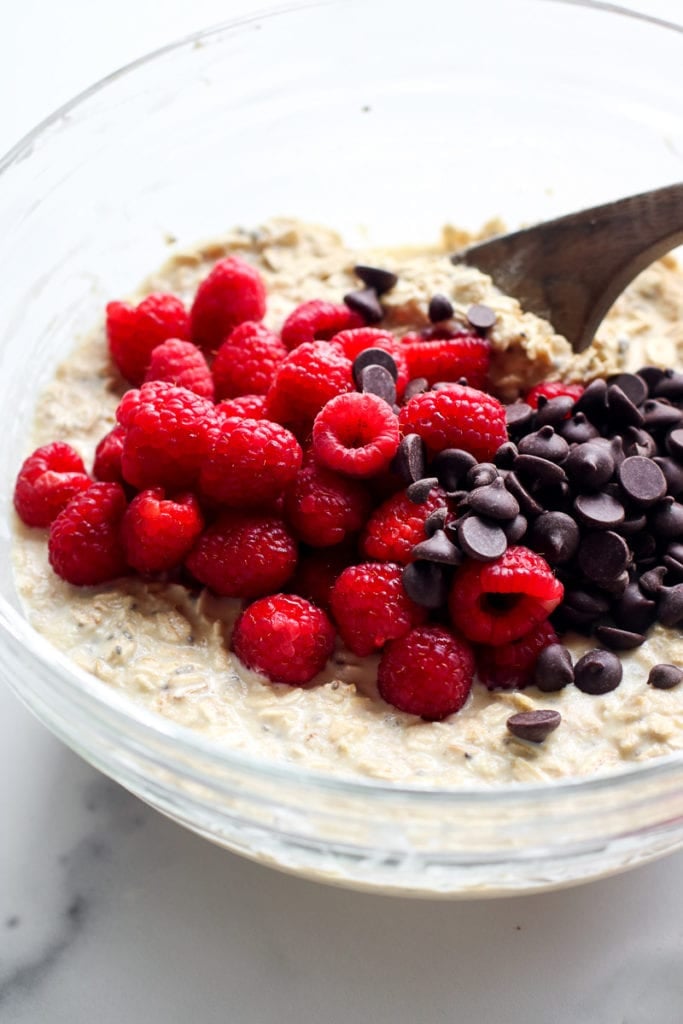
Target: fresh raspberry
{"points": [[552, 389], [232, 293], [498, 602], [47, 481], [397, 525], [448, 359], [244, 555], [370, 607], [284, 638], [250, 464], [317, 572], [457, 417], [251, 407], [356, 434], [181, 363], [133, 332], [316, 320], [169, 433], [428, 672], [107, 464], [357, 340], [511, 666], [324, 508], [246, 362], [158, 532], [84, 545], [308, 378]]}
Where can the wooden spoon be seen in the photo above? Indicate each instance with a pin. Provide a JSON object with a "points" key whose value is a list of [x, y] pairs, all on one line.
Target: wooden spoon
{"points": [[570, 270]]}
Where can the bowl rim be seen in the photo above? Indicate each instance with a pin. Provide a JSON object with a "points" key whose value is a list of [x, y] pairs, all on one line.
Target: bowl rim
{"points": [[147, 724]]}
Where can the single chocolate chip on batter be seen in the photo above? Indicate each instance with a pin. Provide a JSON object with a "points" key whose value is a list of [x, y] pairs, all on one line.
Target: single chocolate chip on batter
{"points": [[554, 669], [534, 726], [440, 308], [376, 278], [481, 317], [480, 539], [598, 672], [426, 583], [665, 677]]}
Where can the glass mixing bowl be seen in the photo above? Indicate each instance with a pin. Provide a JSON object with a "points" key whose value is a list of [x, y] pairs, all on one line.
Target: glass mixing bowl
{"points": [[375, 118]]}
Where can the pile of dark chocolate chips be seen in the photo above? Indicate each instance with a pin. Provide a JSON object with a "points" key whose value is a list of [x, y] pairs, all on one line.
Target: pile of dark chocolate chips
{"points": [[592, 485]]}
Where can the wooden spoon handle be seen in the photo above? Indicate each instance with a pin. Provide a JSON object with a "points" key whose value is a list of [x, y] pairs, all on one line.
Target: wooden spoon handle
{"points": [[571, 270]]}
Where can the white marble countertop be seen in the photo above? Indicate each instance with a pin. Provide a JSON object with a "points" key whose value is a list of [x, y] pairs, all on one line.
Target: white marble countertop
{"points": [[109, 912]]}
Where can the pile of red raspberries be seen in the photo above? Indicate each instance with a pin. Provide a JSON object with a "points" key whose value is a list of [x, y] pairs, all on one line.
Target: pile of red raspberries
{"points": [[340, 479]]}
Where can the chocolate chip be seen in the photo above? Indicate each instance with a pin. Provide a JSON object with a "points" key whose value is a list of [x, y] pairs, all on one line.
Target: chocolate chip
{"points": [[554, 535], [617, 586], [665, 677], [577, 429], [674, 444], [598, 672], [480, 539], [633, 386], [494, 501], [426, 583], [642, 480], [651, 375], [505, 456], [670, 607], [634, 524], [435, 521], [440, 308], [554, 412], [481, 317], [528, 505], [666, 520], [409, 461], [545, 444], [421, 489], [675, 550], [375, 380], [534, 726], [437, 549], [481, 475], [376, 278], [621, 411], [673, 473], [670, 385], [366, 304], [634, 611], [603, 556], [643, 546], [374, 357], [652, 581], [589, 466], [618, 639], [593, 401], [659, 415], [600, 511], [538, 470], [586, 605], [554, 669], [451, 466], [639, 442], [518, 416], [416, 386], [674, 568], [515, 529]]}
